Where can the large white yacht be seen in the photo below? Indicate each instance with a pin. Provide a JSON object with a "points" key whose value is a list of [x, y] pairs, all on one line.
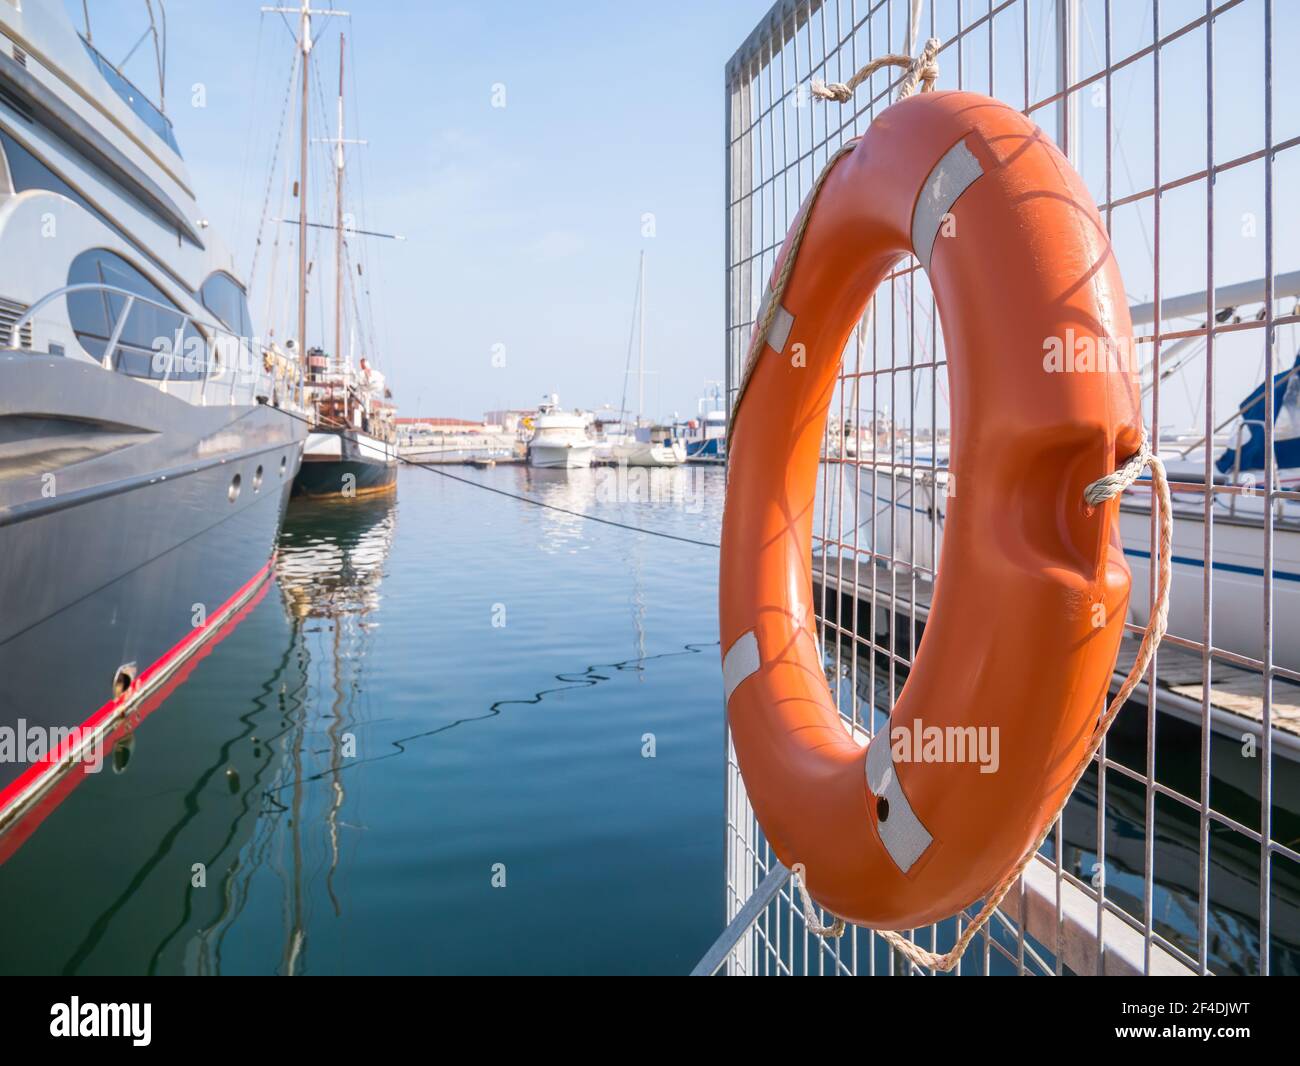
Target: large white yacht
{"points": [[147, 441], [560, 438]]}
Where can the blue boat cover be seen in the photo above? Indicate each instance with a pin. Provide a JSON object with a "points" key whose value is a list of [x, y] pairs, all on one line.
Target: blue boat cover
{"points": [[1286, 424]]}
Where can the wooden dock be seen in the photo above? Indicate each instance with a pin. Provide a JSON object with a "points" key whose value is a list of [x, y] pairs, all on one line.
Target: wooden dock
{"points": [[1236, 694]]}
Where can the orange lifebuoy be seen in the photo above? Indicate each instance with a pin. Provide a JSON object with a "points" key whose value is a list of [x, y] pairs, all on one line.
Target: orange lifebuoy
{"points": [[1029, 605]]}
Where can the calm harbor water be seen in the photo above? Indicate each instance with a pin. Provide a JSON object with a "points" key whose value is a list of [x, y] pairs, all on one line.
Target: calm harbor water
{"points": [[423, 749]]}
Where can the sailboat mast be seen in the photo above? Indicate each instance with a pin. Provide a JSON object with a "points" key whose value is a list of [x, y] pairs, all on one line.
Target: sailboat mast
{"points": [[338, 221], [304, 44], [640, 367]]}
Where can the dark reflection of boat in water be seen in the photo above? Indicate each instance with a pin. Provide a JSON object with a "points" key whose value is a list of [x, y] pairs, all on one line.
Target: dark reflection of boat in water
{"points": [[157, 832], [1233, 914], [332, 555], [219, 822], [331, 561]]}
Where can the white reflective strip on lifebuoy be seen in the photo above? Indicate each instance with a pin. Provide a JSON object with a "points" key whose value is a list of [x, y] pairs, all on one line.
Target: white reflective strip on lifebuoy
{"points": [[902, 833], [951, 176], [782, 322], [779, 332], [740, 661]]}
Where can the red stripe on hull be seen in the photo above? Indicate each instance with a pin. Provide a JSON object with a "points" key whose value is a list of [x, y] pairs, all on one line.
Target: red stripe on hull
{"points": [[178, 662]]}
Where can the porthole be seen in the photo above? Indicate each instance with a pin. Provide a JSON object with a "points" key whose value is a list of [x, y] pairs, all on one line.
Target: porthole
{"points": [[123, 680], [236, 483], [257, 480], [284, 464]]}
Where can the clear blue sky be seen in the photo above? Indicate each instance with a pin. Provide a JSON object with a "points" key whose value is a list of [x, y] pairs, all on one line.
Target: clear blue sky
{"points": [[523, 222]]}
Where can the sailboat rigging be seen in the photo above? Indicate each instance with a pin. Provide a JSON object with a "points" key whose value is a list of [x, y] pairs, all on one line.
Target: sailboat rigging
{"points": [[352, 448]]}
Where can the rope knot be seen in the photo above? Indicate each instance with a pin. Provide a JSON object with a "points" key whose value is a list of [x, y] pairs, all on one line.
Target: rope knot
{"points": [[922, 71], [835, 90], [1111, 485]]}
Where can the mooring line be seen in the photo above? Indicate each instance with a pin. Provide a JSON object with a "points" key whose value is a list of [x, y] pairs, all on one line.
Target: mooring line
{"points": [[536, 502], [587, 679]]}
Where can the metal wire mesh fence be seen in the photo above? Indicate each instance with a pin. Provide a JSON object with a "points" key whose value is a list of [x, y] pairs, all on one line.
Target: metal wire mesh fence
{"points": [[1178, 851]]}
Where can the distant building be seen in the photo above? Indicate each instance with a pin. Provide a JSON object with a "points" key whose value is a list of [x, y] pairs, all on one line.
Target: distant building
{"points": [[508, 420], [447, 425]]}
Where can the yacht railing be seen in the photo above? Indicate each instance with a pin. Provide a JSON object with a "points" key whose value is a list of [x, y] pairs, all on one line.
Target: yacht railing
{"points": [[216, 373]]}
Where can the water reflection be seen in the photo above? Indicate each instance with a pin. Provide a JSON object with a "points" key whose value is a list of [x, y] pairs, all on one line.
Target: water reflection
{"points": [[331, 559], [330, 565], [122, 871], [243, 836]]}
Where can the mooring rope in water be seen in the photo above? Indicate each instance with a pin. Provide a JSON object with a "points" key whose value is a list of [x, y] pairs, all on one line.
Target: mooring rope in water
{"points": [[1097, 492], [563, 510]]}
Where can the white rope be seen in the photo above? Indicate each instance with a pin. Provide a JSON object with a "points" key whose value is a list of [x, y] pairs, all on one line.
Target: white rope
{"points": [[811, 921], [914, 24], [1110, 486], [922, 72]]}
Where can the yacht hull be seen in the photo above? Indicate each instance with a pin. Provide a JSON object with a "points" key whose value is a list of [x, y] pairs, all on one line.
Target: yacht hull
{"points": [[345, 463], [644, 454], [1237, 583], [704, 449], [558, 456], [896, 516], [123, 550]]}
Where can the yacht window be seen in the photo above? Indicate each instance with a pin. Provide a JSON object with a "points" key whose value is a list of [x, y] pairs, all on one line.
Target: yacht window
{"points": [[134, 98], [26, 171], [94, 313], [222, 295]]}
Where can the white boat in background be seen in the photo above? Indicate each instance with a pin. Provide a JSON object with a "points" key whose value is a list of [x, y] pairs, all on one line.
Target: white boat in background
{"points": [[706, 434], [609, 432], [1235, 457], [560, 438], [900, 511], [1238, 553], [648, 444], [653, 446]]}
